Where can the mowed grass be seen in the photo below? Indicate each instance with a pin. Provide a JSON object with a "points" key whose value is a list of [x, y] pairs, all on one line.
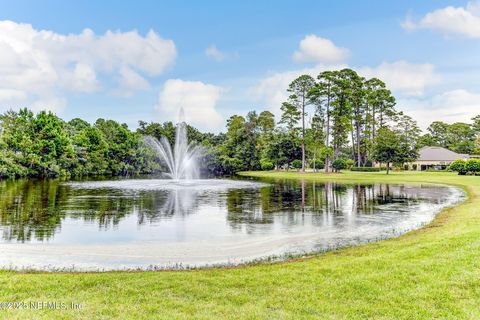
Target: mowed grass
{"points": [[433, 272]]}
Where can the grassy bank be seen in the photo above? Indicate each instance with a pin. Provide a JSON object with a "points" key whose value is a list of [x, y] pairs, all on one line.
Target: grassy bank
{"points": [[433, 272]]}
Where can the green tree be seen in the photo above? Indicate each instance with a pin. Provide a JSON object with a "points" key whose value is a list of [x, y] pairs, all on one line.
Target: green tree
{"points": [[326, 153], [323, 95], [341, 112], [476, 125], [358, 100], [290, 118], [461, 138], [408, 133], [473, 166], [388, 148], [314, 138], [339, 164], [92, 152], [283, 149], [477, 146], [233, 143], [458, 166], [374, 93], [299, 90], [297, 164], [439, 133], [425, 140], [266, 122]]}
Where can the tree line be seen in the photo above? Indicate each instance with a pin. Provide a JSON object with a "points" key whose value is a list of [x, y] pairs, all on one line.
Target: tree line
{"points": [[43, 145], [337, 120]]}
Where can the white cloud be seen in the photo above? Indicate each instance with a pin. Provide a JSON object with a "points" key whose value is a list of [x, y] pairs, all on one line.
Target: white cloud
{"points": [[43, 64], [404, 77], [214, 53], [451, 106], [319, 50], [83, 78], [12, 95], [450, 20], [55, 104], [198, 99], [130, 82]]}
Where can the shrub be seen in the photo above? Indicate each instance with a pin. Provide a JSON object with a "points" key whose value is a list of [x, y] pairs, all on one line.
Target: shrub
{"points": [[473, 166], [458, 166], [318, 164], [297, 164], [339, 164], [266, 165], [365, 169], [350, 163]]}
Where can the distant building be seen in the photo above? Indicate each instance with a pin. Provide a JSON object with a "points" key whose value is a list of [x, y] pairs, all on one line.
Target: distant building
{"points": [[435, 158]]}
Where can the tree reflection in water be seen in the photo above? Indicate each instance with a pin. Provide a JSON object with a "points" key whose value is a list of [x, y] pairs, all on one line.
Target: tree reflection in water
{"points": [[35, 209]]}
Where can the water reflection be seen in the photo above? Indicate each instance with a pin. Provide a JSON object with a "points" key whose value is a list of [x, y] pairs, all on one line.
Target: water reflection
{"points": [[50, 210], [30, 209]]}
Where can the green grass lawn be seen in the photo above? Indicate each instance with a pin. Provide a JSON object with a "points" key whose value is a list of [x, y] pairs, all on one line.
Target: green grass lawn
{"points": [[433, 272]]}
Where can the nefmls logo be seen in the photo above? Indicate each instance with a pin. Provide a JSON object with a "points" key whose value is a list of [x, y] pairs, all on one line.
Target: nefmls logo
{"points": [[48, 305]]}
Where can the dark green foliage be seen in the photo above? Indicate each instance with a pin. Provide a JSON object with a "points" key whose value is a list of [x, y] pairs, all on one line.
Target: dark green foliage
{"points": [[297, 164], [266, 165], [340, 115], [458, 166], [283, 149], [473, 166], [458, 137], [43, 145], [290, 117], [365, 169], [339, 164], [349, 163], [387, 147], [461, 138], [317, 164], [463, 167]]}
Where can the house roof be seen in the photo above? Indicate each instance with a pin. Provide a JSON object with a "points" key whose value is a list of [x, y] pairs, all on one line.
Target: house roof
{"points": [[439, 154]]}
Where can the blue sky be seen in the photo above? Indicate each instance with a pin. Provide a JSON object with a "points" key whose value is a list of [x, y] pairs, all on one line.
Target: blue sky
{"points": [[216, 58]]}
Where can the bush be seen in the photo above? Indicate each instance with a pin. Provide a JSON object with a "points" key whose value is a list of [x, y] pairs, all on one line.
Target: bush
{"points": [[350, 163], [458, 166], [339, 164], [318, 164], [266, 165], [473, 166], [365, 169], [297, 164]]}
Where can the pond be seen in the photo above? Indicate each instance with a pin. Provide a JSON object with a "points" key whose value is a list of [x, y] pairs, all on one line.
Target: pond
{"points": [[152, 223]]}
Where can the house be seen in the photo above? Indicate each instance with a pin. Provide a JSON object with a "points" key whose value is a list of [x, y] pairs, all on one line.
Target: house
{"points": [[435, 158]]}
